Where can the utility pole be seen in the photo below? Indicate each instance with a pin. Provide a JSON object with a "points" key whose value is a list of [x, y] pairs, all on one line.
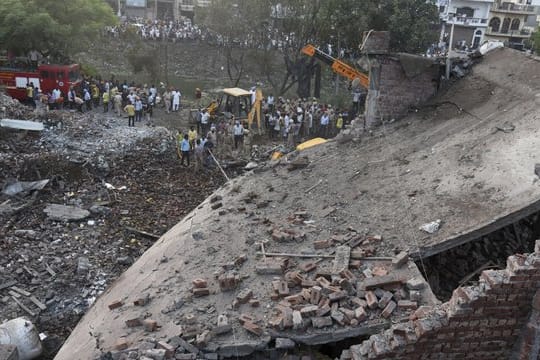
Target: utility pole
{"points": [[155, 9], [119, 13], [448, 60]]}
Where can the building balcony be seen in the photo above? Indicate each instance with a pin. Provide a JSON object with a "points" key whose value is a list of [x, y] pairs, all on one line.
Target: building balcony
{"points": [[523, 33], [466, 21], [511, 8]]}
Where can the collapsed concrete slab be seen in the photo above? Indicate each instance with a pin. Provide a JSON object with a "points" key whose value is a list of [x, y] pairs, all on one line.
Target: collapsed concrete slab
{"points": [[264, 258]]}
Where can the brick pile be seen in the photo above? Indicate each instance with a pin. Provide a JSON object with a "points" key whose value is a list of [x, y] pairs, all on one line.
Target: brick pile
{"points": [[497, 319]]}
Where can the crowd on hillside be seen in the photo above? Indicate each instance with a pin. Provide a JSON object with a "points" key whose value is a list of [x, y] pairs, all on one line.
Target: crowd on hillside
{"points": [[184, 30]]}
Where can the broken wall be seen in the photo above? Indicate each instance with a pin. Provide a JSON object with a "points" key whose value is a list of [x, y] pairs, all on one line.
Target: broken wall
{"points": [[402, 85], [497, 319]]}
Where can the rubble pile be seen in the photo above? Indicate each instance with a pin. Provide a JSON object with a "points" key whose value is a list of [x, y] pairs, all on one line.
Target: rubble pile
{"points": [[80, 202]]}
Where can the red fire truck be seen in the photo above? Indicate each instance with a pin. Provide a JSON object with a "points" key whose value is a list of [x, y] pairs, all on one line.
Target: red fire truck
{"points": [[46, 77]]}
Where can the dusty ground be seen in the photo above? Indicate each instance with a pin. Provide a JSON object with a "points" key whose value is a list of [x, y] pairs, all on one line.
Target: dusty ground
{"points": [[466, 159]]}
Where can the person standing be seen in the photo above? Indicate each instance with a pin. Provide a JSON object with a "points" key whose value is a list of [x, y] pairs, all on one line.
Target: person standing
{"points": [[118, 103], [176, 100], [199, 155], [192, 134], [30, 95], [87, 99], [167, 99], [106, 101], [138, 109], [185, 148], [238, 132], [130, 109], [205, 119], [325, 120]]}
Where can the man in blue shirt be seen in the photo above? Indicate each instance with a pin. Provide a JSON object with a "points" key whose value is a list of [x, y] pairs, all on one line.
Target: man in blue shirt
{"points": [[185, 148]]}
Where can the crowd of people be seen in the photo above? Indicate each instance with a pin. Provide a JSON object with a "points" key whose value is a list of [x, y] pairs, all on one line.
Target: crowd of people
{"points": [[184, 30]]}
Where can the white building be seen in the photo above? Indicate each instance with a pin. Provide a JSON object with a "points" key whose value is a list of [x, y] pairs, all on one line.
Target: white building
{"points": [[469, 17]]}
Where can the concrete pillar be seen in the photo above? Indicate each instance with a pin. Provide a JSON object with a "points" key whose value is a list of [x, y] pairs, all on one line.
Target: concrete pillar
{"points": [[176, 9]]}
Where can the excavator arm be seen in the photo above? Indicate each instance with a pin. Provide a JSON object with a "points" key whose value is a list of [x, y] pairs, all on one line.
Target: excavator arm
{"points": [[338, 66]]}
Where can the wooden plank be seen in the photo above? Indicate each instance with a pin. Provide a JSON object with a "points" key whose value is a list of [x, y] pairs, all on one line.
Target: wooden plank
{"points": [[38, 303], [22, 306], [8, 284], [20, 291], [14, 294]]}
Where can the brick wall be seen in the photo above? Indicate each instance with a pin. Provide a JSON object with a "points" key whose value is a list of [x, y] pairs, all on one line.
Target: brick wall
{"points": [[498, 319], [397, 92]]}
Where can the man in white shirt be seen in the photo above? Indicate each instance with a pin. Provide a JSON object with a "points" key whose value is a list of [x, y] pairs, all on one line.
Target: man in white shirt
{"points": [[205, 119], [325, 120], [238, 132]]}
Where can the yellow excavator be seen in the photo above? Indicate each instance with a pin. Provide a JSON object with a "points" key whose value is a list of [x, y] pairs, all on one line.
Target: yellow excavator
{"points": [[339, 67]]}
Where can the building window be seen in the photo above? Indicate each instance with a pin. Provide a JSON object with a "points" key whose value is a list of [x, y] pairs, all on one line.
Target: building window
{"points": [[505, 25], [515, 24], [465, 11], [495, 24]]}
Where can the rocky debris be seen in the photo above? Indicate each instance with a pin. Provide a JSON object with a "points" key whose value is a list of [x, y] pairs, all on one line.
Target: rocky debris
{"points": [[55, 260]]}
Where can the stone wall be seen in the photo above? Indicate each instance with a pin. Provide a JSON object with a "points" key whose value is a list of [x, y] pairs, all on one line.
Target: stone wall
{"points": [[498, 319], [398, 92]]}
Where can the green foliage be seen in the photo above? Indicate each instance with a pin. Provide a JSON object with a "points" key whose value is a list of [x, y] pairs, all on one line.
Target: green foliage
{"points": [[52, 27], [89, 70], [535, 39], [141, 60]]}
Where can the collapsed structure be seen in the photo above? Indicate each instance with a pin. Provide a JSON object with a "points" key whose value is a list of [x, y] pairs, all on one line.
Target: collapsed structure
{"points": [[312, 249]]}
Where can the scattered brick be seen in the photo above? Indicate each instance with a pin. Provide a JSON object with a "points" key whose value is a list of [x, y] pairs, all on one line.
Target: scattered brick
{"points": [[150, 325], [355, 264], [360, 313], [141, 301], [297, 320], [245, 318], [323, 310], [400, 259], [416, 284], [371, 300], [244, 296], [315, 295], [307, 283], [228, 281], [201, 292], [252, 328], [415, 295], [388, 310], [199, 283], [240, 260], [323, 281], [216, 206], [276, 322], [308, 267], [203, 338], [407, 304], [223, 325], [322, 244], [347, 274], [338, 317], [283, 288], [116, 304], [358, 302], [169, 349], [338, 295], [121, 344], [349, 314], [133, 322], [385, 299], [309, 311], [320, 322], [269, 268], [296, 299]]}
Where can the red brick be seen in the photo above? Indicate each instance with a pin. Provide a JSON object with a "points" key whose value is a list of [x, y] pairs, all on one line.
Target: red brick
{"points": [[338, 295], [169, 349], [308, 267], [252, 328], [322, 244], [245, 317], [115, 305], [355, 264], [150, 325], [121, 344], [140, 302], [199, 283], [201, 292], [371, 299], [133, 322], [296, 299], [360, 314], [244, 296], [389, 309], [254, 302], [347, 274], [406, 304]]}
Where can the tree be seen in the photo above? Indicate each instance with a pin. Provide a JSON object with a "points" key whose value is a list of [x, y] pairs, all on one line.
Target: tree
{"points": [[535, 39], [58, 29]]}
